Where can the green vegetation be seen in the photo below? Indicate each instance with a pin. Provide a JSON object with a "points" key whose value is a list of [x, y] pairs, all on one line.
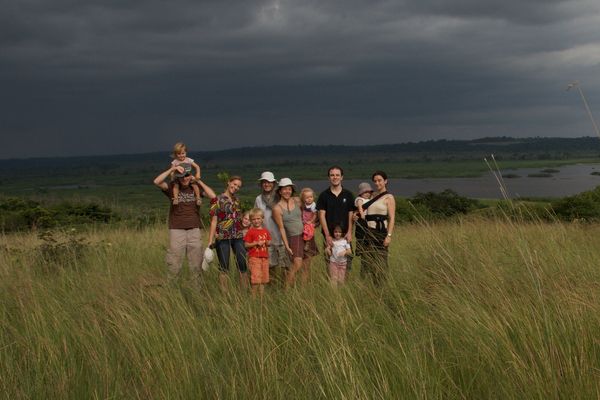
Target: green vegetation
{"points": [[476, 309], [584, 206], [445, 204], [121, 179], [23, 215], [18, 214], [485, 299]]}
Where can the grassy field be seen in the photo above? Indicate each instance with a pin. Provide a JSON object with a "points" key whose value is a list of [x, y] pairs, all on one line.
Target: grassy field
{"points": [[475, 309]]}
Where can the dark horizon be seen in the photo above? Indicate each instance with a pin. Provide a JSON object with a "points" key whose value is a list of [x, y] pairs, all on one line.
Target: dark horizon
{"points": [[490, 141]]}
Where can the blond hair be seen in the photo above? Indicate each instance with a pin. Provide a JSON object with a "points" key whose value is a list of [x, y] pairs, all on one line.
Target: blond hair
{"points": [[178, 148], [306, 190], [257, 211]]}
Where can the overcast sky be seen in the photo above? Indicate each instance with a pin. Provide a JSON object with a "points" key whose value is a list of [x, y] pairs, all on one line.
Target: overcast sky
{"points": [[83, 77]]}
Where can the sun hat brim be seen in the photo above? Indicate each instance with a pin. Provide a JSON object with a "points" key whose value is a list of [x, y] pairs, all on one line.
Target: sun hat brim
{"points": [[283, 182], [267, 176]]}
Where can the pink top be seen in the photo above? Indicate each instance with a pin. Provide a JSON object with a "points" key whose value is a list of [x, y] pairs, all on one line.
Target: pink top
{"points": [[307, 215], [187, 160]]}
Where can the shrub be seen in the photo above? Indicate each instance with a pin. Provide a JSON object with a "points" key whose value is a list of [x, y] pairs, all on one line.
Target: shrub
{"points": [[407, 212], [21, 214], [585, 205], [445, 204], [16, 204], [85, 212], [520, 211], [60, 249]]}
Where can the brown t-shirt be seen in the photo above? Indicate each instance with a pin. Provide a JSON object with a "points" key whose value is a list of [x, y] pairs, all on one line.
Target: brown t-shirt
{"points": [[185, 215]]}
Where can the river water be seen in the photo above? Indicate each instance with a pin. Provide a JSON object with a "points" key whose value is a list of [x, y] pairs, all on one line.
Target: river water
{"points": [[570, 179]]}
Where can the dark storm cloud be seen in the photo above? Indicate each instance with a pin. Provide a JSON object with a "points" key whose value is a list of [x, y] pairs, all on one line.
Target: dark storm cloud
{"points": [[520, 12], [132, 76]]}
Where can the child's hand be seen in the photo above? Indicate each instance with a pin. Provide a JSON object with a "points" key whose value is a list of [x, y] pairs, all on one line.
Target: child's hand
{"points": [[386, 241], [328, 251], [180, 169], [289, 250]]}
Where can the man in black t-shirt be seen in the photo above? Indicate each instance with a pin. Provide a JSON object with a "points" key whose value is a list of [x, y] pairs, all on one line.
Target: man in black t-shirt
{"points": [[184, 220], [336, 206]]}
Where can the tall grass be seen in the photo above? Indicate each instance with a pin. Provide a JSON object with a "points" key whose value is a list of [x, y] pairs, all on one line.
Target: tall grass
{"points": [[476, 309]]}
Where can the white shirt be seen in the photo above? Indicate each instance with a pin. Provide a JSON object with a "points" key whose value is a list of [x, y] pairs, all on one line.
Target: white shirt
{"points": [[312, 206], [338, 251]]}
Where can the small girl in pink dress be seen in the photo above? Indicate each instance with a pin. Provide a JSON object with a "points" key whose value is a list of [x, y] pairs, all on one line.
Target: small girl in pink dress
{"points": [[309, 217]]}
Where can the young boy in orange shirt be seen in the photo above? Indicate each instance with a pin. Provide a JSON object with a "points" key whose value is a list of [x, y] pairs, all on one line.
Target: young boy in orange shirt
{"points": [[257, 242]]}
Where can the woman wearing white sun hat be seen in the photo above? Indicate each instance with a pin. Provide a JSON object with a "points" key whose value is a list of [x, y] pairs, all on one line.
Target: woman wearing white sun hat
{"points": [[288, 217], [278, 257]]}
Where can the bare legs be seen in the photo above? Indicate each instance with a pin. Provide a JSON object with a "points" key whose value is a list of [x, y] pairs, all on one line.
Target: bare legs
{"points": [[290, 278], [298, 265]]}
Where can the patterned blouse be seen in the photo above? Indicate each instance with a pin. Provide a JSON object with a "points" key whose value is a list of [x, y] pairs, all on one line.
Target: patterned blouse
{"points": [[229, 217]]}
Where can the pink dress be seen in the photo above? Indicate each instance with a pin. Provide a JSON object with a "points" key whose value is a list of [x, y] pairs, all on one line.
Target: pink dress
{"points": [[308, 230]]}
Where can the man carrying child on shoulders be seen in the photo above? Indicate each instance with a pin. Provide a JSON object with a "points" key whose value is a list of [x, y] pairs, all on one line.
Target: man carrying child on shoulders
{"points": [[184, 219]]}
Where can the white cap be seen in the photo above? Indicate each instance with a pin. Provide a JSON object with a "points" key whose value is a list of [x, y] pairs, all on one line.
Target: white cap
{"points": [[267, 176], [285, 182], [209, 256]]}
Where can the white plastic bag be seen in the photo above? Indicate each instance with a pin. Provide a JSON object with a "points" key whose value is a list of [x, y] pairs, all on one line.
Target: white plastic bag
{"points": [[208, 258]]}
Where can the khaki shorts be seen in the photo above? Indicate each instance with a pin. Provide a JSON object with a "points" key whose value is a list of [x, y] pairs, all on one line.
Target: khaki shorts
{"points": [[278, 257]]}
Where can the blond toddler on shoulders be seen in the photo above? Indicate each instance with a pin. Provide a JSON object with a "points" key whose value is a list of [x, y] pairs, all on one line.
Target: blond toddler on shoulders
{"points": [[179, 156]]}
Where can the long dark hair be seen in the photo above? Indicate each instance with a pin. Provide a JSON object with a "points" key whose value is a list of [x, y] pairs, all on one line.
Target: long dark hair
{"points": [[380, 173], [278, 195]]}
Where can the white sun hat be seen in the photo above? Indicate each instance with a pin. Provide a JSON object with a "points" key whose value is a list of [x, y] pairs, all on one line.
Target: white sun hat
{"points": [[267, 176], [209, 256], [283, 182]]}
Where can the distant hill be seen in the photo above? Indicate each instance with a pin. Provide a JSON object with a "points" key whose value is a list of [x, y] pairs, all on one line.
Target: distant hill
{"points": [[434, 150], [432, 158]]}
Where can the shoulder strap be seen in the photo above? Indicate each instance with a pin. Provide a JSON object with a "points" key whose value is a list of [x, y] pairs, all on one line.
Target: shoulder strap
{"points": [[373, 200]]}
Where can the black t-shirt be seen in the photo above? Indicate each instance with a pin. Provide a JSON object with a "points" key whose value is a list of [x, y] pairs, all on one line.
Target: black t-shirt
{"points": [[336, 208]]}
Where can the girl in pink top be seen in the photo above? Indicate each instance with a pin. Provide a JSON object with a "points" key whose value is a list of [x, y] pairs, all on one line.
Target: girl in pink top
{"points": [[180, 157], [309, 213]]}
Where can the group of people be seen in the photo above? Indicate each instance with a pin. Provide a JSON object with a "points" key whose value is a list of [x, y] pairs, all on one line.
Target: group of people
{"points": [[280, 233]]}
